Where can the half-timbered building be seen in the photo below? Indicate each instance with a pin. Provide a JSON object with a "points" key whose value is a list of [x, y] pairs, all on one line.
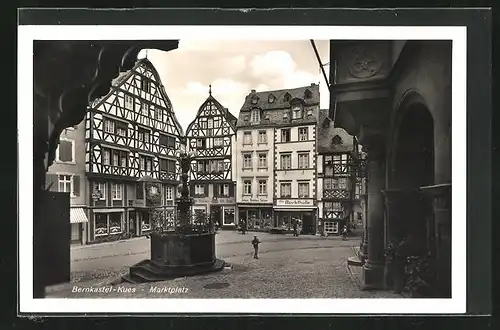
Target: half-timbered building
{"points": [[131, 133], [340, 189], [211, 138]]}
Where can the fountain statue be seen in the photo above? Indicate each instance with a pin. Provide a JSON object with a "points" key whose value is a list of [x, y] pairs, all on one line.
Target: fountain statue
{"points": [[188, 249]]}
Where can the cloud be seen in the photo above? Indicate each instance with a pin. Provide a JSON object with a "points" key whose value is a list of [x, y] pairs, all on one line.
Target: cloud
{"points": [[272, 64]]}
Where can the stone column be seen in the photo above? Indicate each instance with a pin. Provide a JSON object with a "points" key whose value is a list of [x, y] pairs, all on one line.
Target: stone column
{"points": [[373, 269], [401, 211], [441, 195]]}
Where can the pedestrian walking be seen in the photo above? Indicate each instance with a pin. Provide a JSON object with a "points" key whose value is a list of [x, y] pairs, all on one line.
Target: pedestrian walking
{"points": [[255, 243], [295, 233], [344, 233], [243, 226]]}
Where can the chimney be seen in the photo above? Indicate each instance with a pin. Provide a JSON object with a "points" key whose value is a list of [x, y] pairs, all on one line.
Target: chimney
{"points": [[313, 84], [253, 91]]}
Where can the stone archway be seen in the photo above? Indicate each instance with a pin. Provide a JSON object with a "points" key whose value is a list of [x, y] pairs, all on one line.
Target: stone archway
{"points": [[412, 167]]}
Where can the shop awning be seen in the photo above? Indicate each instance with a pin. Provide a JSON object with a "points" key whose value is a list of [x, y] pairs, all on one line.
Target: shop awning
{"points": [[108, 210], [77, 215]]}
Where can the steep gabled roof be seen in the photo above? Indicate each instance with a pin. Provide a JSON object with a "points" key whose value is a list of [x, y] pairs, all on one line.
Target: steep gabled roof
{"points": [[230, 118], [327, 132], [124, 76], [273, 113]]}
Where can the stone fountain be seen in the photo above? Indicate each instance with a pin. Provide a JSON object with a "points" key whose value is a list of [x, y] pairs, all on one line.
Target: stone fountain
{"points": [[187, 250]]}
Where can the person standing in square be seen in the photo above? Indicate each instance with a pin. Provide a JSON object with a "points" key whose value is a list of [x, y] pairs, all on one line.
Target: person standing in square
{"points": [[255, 243]]}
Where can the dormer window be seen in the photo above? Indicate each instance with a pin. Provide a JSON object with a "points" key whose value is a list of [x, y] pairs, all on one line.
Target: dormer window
{"points": [[255, 116], [307, 94], [254, 100], [309, 113], [271, 98], [285, 116], [246, 118], [337, 140], [296, 112], [266, 116], [287, 97]]}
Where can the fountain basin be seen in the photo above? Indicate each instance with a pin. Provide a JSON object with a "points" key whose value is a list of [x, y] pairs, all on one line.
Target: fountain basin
{"points": [[176, 255]]}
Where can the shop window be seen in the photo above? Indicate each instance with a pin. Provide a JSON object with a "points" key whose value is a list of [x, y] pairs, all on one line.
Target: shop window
{"points": [[145, 222], [115, 223], [101, 224], [228, 216]]}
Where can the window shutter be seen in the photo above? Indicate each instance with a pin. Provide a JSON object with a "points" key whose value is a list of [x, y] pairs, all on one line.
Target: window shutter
{"points": [[231, 190], [52, 182], [76, 185], [65, 151]]}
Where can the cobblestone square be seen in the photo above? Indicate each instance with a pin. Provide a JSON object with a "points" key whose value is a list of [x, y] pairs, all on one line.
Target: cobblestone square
{"points": [[288, 267]]}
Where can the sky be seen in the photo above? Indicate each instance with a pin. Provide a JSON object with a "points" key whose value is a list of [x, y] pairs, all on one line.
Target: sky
{"points": [[234, 68]]}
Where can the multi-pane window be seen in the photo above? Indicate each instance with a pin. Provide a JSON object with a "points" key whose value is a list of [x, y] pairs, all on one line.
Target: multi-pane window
{"points": [[262, 160], [157, 112], [247, 160], [218, 142], [106, 157], [342, 183], [262, 137], [121, 129], [200, 143], [145, 84], [286, 162], [333, 206], [65, 183], [145, 163], [223, 189], [285, 135], [199, 189], [169, 193], [285, 189], [129, 102], [210, 123], [143, 135], [200, 166], [303, 160], [116, 191], [145, 109], [304, 189], [297, 112], [262, 187], [167, 165], [247, 187], [65, 151], [119, 158], [101, 188], [303, 134], [109, 126], [247, 138], [255, 116]]}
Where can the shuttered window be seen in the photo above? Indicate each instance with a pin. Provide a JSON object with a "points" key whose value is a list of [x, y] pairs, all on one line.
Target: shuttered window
{"points": [[68, 183], [65, 151]]}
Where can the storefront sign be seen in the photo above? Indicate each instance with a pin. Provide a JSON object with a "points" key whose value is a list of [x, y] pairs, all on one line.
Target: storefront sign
{"points": [[254, 200], [220, 200], [294, 202]]}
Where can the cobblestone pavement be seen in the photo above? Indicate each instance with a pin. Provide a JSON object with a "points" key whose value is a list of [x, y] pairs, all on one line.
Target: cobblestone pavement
{"points": [[287, 268]]}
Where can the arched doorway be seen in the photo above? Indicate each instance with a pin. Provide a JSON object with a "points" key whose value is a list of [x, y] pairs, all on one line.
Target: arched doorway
{"points": [[413, 168]]}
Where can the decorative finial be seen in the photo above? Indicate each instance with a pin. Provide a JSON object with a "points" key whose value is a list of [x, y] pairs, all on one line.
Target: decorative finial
{"points": [[147, 53], [210, 90]]}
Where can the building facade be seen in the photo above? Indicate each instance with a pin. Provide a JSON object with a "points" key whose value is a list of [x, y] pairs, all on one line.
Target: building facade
{"points": [[67, 174], [288, 118], [211, 138], [131, 133], [340, 188], [255, 163]]}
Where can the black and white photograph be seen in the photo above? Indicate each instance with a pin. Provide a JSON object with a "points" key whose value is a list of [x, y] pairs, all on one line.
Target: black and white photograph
{"points": [[245, 169]]}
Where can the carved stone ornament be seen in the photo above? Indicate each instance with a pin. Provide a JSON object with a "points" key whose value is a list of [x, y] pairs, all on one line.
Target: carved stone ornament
{"points": [[363, 63]]}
